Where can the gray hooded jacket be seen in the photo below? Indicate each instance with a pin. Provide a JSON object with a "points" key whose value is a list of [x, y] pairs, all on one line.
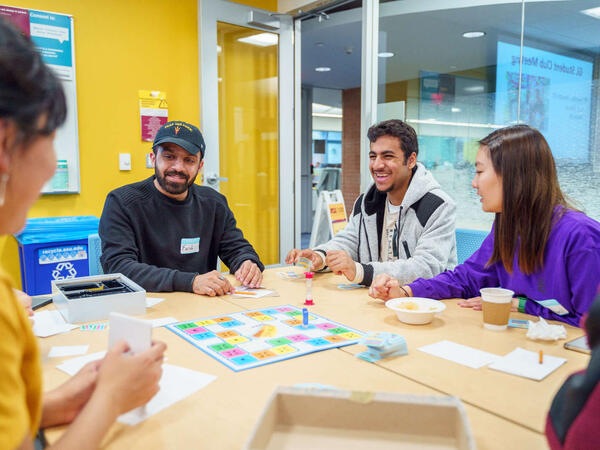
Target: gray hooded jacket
{"points": [[426, 241]]}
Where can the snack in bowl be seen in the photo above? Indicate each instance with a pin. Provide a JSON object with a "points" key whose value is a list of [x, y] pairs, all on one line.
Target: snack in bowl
{"points": [[415, 310]]}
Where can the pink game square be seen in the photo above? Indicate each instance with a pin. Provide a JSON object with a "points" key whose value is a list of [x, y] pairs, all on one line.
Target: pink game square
{"points": [[298, 338], [196, 330], [325, 326], [232, 353], [284, 309]]}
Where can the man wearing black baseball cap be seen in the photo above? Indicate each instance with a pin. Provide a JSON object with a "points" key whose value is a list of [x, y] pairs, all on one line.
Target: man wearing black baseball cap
{"points": [[166, 233]]}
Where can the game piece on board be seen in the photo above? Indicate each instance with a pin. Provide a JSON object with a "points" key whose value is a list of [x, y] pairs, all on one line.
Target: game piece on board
{"points": [[304, 317]]}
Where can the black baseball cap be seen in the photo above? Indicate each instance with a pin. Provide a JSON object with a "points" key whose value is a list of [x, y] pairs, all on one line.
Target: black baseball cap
{"points": [[184, 134]]}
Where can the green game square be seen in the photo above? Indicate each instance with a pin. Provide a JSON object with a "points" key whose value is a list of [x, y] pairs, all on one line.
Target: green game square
{"points": [[294, 313], [221, 347], [338, 330], [279, 341], [184, 326]]}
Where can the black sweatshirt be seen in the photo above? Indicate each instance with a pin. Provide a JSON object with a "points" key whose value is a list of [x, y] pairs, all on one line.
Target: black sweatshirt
{"points": [[162, 244]]}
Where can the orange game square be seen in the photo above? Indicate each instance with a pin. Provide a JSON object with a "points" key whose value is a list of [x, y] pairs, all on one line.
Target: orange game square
{"points": [[293, 322], [263, 355], [334, 338], [227, 334], [223, 319], [255, 313]]}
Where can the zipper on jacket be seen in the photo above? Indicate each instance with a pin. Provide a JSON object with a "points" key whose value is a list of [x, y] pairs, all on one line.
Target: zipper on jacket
{"points": [[405, 244]]}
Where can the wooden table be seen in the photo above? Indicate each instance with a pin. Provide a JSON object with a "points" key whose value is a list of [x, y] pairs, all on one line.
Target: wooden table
{"points": [[504, 411]]}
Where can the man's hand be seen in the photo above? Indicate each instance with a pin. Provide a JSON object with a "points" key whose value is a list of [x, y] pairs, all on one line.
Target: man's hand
{"points": [[341, 264], [249, 274], [315, 257], [385, 287], [211, 284], [25, 300]]}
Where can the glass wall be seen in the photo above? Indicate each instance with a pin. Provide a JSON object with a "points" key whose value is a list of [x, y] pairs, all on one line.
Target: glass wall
{"points": [[456, 74]]}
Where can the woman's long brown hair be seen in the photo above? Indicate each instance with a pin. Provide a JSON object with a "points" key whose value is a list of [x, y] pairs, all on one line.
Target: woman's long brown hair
{"points": [[531, 194]]}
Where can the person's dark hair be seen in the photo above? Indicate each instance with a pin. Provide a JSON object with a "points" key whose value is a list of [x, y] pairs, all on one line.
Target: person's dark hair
{"points": [[531, 194], [592, 323], [29, 90], [396, 128]]}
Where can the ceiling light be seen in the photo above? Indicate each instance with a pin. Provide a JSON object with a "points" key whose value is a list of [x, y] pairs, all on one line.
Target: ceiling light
{"points": [[330, 115], [474, 88], [323, 69], [473, 34], [385, 54], [454, 109], [592, 12], [262, 39], [219, 49]]}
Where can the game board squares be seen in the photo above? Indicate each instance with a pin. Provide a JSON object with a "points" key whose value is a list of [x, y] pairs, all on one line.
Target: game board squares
{"points": [[278, 341], [254, 314], [227, 334], [202, 323], [338, 330], [221, 347], [223, 319], [184, 326], [293, 322], [350, 335], [264, 354], [232, 353], [195, 330], [284, 309], [334, 338], [263, 318], [269, 312], [305, 327], [202, 336], [318, 342], [298, 338], [236, 340], [325, 326], [254, 346], [294, 313], [243, 360], [233, 323], [283, 349]]}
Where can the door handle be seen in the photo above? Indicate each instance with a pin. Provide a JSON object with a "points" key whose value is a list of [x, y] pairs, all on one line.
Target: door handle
{"points": [[213, 178]]}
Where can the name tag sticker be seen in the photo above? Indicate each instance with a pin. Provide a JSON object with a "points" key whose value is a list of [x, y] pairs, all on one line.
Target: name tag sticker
{"points": [[190, 245]]}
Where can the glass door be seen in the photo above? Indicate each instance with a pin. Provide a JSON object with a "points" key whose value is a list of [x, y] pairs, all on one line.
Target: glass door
{"points": [[247, 104]]}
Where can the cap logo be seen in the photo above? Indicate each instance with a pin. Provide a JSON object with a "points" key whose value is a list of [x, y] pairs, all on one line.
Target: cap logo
{"points": [[177, 129]]}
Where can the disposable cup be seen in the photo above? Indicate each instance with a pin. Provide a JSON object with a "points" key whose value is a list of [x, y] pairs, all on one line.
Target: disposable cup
{"points": [[496, 304]]}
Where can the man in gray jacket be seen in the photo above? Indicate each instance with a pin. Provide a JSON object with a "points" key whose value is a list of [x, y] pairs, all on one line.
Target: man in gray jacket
{"points": [[403, 225]]}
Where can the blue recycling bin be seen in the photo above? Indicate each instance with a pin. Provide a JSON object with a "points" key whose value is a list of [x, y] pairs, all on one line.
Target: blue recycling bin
{"points": [[54, 248]]}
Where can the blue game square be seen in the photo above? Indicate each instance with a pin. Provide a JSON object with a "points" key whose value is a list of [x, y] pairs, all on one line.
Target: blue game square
{"points": [[318, 342], [205, 335], [302, 327], [233, 323], [270, 312], [244, 359]]}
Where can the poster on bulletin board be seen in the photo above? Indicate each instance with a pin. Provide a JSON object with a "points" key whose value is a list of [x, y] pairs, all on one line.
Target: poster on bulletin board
{"points": [[52, 34]]}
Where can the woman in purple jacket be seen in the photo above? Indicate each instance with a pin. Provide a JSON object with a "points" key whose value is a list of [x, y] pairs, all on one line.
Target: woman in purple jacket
{"points": [[540, 247]]}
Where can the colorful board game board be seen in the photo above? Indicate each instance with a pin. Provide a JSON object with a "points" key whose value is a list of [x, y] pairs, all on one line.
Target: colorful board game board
{"points": [[248, 339]]}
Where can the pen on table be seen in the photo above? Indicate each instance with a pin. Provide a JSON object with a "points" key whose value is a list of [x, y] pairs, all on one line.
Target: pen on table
{"points": [[541, 357]]}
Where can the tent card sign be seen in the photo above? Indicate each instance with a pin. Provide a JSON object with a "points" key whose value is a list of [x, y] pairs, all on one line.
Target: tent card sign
{"points": [[248, 339]]}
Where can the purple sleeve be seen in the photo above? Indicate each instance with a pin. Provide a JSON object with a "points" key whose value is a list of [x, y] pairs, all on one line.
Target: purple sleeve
{"points": [[584, 278], [465, 280]]}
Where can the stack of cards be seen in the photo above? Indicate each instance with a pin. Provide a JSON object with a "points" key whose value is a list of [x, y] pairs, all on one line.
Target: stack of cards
{"points": [[289, 275], [94, 327], [304, 262], [349, 286], [382, 345]]}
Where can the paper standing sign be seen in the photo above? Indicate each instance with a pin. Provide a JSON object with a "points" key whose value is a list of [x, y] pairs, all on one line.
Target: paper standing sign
{"points": [[153, 113]]}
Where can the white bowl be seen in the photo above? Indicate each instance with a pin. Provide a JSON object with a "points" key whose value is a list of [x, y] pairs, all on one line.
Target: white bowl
{"points": [[415, 310]]}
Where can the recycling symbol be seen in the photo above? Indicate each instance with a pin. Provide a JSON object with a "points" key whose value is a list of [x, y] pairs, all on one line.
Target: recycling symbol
{"points": [[64, 271]]}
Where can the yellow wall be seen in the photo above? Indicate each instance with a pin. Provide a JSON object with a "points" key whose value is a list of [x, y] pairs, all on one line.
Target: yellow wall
{"points": [[120, 47]]}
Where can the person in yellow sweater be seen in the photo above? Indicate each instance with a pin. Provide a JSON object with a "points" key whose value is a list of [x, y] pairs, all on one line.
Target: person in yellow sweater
{"points": [[32, 107]]}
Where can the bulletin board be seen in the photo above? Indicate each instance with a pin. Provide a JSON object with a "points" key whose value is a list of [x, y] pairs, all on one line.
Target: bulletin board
{"points": [[52, 34]]}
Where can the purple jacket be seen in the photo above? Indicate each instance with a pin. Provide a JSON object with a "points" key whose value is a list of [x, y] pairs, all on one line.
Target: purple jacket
{"points": [[571, 272]]}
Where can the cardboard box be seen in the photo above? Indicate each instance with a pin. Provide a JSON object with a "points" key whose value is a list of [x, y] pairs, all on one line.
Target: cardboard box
{"points": [[91, 298], [296, 418]]}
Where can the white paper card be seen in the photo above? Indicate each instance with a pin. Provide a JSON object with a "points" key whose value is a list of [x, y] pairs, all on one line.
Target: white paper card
{"points": [[245, 291], [526, 364], [136, 332], [74, 365], [161, 322], [175, 384], [151, 301], [49, 323], [68, 350], [461, 354]]}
